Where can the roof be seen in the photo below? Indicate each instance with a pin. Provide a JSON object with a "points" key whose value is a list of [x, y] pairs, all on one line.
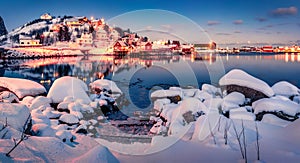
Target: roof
{"points": [[121, 43]]}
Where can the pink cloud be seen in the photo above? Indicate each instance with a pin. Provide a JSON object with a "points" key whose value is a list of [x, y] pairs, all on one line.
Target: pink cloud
{"points": [[285, 11]]}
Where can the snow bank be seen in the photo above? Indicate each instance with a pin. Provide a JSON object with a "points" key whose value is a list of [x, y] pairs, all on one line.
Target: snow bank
{"points": [[9, 97], [97, 154], [241, 78], [275, 105], [40, 101], [285, 89], [274, 120], [22, 87], [16, 115], [68, 86], [105, 84]]}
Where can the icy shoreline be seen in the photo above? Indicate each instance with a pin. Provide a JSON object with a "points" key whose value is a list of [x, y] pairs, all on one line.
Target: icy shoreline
{"points": [[187, 120]]}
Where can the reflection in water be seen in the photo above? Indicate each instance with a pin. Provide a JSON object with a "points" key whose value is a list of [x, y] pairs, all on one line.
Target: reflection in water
{"points": [[137, 75]]}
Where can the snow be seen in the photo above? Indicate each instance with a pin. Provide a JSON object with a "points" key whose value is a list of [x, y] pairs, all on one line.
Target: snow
{"points": [[69, 119], [97, 154], [285, 88], [40, 101], [241, 78], [242, 115], [27, 88], [7, 96], [43, 130], [166, 93], [232, 100], [211, 89], [68, 86], [16, 115], [275, 105], [159, 103], [274, 120], [106, 84]]}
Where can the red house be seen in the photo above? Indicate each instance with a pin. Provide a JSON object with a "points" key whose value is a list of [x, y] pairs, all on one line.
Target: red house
{"points": [[120, 47], [147, 46]]}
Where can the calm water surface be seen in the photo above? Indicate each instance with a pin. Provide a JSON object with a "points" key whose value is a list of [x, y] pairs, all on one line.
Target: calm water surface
{"points": [[138, 76]]}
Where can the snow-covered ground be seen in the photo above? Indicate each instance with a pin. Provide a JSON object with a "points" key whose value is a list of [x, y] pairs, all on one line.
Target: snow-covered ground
{"points": [[191, 125]]}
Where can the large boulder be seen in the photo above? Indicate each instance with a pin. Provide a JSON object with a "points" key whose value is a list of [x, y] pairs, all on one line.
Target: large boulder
{"points": [[68, 86], [239, 81], [22, 87]]}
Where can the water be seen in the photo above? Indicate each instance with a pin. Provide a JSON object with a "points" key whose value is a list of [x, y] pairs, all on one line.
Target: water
{"points": [[138, 76]]}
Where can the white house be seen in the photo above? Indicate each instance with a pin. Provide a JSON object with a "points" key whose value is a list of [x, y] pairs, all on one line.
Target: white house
{"points": [[85, 40], [28, 41]]}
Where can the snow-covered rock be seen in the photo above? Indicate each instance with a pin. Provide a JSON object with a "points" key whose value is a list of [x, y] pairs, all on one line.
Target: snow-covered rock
{"points": [[97, 154], [64, 135], [211, 89], [203, 95], [27, 100], [166, 93], [105, 84], [274, 105], [68, 86], [8, 97], [40, 101], [16, 115], [42, 130], [241, 78], [285, 88], [159, 103], [68, 119], [178, 120], [22, 87], [232, 100]]}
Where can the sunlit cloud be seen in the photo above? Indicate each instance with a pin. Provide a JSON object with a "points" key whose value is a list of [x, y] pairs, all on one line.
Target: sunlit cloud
{"points": [[212, 22], [284, 11], [238, 22]]}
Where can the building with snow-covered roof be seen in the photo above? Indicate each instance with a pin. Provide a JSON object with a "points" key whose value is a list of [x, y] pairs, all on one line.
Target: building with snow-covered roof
{"points": [[85, 39], [46, 16], [25, 41]]}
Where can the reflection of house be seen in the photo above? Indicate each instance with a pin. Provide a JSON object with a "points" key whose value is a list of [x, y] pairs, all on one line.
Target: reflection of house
{"points": [[85, 39], [28, 41], [203, 47], [46, 16]]}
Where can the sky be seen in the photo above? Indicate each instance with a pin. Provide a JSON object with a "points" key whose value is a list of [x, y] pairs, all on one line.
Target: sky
{"points": [[223, 21]]}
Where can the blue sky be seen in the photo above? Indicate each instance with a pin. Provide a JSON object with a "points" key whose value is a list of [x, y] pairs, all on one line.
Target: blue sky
{"points": [[225, 21]]}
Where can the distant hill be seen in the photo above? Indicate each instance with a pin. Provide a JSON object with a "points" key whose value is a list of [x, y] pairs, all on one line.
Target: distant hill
{"points": [[3, 30]]}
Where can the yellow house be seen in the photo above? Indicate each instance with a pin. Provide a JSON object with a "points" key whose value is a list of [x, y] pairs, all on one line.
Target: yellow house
{"points": [[28, 41]]}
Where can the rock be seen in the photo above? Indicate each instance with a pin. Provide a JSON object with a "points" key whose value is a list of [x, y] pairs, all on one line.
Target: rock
{"points": [[81, 130], [211, 89], [166, 93], [68, 119], [105, 85], [8, 97], [27, 88], [42, 130], [64, 135], [174, 99], [159, 103], [232, 100], [40, 101], [68, 86], [3, 30], [286, 110], [285, 89], [239, 81]]}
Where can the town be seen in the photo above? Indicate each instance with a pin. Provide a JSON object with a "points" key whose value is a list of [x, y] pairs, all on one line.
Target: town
{"points": [[50, 36]]}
